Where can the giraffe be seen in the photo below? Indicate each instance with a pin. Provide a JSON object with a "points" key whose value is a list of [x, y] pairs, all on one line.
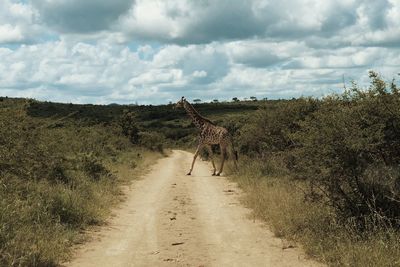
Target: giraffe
{"points": [[210, 134]]}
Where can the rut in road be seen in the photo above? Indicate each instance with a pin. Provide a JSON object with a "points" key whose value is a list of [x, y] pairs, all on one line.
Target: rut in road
{"points": [[170, 219]]}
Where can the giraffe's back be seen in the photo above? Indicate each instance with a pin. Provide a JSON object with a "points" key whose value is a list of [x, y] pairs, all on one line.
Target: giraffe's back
{"points": [[213, 134]]}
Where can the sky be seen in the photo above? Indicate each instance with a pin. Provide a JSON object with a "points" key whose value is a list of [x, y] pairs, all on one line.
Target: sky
{"points": [[155, 51]]}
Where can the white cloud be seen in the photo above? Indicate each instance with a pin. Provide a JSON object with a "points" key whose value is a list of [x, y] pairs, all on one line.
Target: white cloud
{"points": [[103, 71], [9, 34], [190, 22], [17, 22], [199, 74], [154, 51], [75, 16], [186, 22], [263, 53]]}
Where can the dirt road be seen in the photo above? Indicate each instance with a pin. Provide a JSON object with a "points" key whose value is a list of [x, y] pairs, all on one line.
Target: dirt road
{"points": [[170, 219]]}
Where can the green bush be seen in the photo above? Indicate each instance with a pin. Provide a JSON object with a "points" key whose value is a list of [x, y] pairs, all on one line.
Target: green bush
{"points": [[93, 167], [346, 146], [326, 172], [350, 153], [269, 129], [152, 140], [128, 123], [53, 182]]}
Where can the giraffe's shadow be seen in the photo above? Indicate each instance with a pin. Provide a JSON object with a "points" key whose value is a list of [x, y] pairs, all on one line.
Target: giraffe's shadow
{"points": [[205, 176]]}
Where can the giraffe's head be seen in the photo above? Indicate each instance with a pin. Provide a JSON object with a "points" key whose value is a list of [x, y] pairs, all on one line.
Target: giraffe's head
{"points": [[179, 104]]}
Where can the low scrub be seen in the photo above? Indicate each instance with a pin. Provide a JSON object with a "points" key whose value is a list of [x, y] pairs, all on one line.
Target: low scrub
{"points": [[152, 140], [56, 178], [326, 172], [349, 152], [346, 147], [280, 201]]}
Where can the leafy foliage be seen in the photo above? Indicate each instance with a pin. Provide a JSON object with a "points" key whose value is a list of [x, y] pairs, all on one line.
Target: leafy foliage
{"points": [[53, 182], [152, 140], [343, 151], [347, 147], [129, 126], [350, 153], [269, 129]]}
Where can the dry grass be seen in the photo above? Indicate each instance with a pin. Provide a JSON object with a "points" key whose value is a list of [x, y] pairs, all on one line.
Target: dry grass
{"points": [[280, 202], [58, 177], [33, 238], [133, 164]]}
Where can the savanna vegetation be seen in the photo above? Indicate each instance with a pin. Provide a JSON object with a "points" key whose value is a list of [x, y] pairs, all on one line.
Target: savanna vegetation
{"points": [[62, 167], [60, 173], [325, 172], [322, 172]]}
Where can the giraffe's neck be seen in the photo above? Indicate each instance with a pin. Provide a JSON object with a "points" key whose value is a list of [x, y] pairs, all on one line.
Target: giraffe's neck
{"points": [[197, 119]]}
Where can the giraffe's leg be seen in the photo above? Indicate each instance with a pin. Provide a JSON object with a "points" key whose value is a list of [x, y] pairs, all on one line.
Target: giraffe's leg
{"points": [[223, 155], [212, 158], [235, 162], [233, 155], [194, 158]]}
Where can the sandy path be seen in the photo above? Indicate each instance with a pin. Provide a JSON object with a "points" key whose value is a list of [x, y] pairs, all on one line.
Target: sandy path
{"points": [[170, 219]]}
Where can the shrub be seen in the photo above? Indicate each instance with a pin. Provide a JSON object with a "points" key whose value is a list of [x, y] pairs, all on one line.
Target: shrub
{"points": [[350, 153], [53, 181], [152, 140], [129, 126], [269, 130], [93, 167]]}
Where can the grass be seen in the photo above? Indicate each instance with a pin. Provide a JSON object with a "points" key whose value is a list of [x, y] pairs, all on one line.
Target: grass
{"points": [[41, 228], [64, 166], [58, 177], [279, 201], [83, 161]]}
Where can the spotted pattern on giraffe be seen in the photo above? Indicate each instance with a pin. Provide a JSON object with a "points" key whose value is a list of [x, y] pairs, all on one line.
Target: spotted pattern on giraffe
{"points": [[210, 134]]}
